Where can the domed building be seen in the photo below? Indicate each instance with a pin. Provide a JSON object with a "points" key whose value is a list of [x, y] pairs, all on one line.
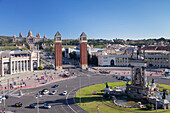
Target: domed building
{"points": [[30, 39]]}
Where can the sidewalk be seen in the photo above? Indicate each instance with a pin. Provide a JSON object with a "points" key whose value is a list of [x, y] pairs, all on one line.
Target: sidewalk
{"points": [[125, 72], [32, 79]]}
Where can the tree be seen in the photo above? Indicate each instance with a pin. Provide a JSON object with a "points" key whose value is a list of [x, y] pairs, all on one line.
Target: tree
{"points": [[40, 68], [63, 53], [73, 55], [94, 60]]}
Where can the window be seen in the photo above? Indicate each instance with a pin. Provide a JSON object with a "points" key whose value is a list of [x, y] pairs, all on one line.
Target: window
{"points": [[58, 38], [104, 57], [84, 38], [104, 60]]}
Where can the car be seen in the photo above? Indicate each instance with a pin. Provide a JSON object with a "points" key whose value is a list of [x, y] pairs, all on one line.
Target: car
{"points": [[45, 91], [77, 66], [115, 75], [65, 93], [54, 86], [47, 106], [128, 78], [32, 106], [53, 92], [122, 77], [19, 104]]}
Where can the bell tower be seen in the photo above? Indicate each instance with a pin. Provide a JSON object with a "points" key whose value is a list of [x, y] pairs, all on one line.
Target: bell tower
{"points": [[83, 51], [58, 51]]}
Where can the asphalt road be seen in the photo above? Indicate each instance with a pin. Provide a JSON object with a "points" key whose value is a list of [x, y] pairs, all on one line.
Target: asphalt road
{"points": [[59, 103]]}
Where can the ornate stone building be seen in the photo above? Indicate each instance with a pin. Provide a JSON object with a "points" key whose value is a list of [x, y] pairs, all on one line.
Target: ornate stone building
{"points": [[154, 58], [30, 39], [12, 62]]}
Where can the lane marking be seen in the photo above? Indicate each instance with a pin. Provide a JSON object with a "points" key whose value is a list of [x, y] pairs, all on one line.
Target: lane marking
{"points": [[67, 101], [64, 109]]}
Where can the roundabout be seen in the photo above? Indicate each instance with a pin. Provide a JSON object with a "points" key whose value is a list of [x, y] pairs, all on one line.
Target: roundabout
{"points": [[92, 100]]}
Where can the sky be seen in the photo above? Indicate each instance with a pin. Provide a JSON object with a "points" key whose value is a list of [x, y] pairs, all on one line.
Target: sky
{"points": [[105, 19]]}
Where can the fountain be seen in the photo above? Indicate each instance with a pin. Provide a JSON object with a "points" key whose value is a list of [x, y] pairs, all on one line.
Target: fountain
{"points": [[139, 89]]}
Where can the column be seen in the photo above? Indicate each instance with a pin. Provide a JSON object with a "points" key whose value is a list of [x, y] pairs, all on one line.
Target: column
{"points": [[14, 67], [10, 66], [17, 67], [38, 58], [164, 62], [122, 61], [30, 63], [21, 66], [24, 65], [1, 67], [157, 62]]}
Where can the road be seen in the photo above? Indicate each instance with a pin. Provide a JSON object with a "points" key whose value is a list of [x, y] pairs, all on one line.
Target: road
{"points": [[59, 103]]}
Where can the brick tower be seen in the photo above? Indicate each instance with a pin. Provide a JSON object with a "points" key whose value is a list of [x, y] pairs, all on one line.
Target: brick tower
{"points": [[58, 51], [83, 51]]}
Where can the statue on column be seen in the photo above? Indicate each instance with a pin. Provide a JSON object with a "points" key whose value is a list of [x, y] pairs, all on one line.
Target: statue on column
{"points": [[138, 76], [164, 96], [20, 35], [138, 52], [107, 86]]}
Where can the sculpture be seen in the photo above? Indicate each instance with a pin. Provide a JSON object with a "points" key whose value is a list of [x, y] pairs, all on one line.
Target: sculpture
{"points": [[107, 85]]}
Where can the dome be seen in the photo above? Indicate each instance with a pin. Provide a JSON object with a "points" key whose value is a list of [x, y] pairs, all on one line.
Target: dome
{"points": [[104, 53]]}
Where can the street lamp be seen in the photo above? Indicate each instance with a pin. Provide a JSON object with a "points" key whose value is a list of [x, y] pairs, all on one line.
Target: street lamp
{"points": [[80, 88], [20, 93], [37, 97], [3, 98]]}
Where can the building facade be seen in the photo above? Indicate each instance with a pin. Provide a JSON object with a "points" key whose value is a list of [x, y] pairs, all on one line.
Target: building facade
{"points": [[154, 58], [58, 51], [12, 62]]}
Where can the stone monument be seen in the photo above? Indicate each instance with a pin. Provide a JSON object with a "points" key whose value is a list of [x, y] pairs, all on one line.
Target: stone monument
{"points": [[138, 88]]}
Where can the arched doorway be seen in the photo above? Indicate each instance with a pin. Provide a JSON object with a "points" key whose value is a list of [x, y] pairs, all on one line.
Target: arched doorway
{"points": [[35, 66], [112, 63], [150, 65]]}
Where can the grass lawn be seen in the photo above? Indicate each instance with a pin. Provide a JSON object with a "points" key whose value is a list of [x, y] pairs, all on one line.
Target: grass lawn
{"points": [[91, 97]]}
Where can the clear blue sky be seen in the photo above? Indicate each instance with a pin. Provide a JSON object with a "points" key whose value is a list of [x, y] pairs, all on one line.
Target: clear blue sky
{"points": [[107, 19]]}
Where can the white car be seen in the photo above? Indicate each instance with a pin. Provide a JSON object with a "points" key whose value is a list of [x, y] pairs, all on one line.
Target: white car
{"points": [[47, 106], [65, 93], [53, 92]]}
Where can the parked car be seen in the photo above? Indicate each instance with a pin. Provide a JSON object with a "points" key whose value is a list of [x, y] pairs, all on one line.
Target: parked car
{"points": [[115, 75], [54, 86], [32, 106], [53, 92], [47, 106], [19, 104], [65, 93], [122, 77], [45, 91], [128, 78]]}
